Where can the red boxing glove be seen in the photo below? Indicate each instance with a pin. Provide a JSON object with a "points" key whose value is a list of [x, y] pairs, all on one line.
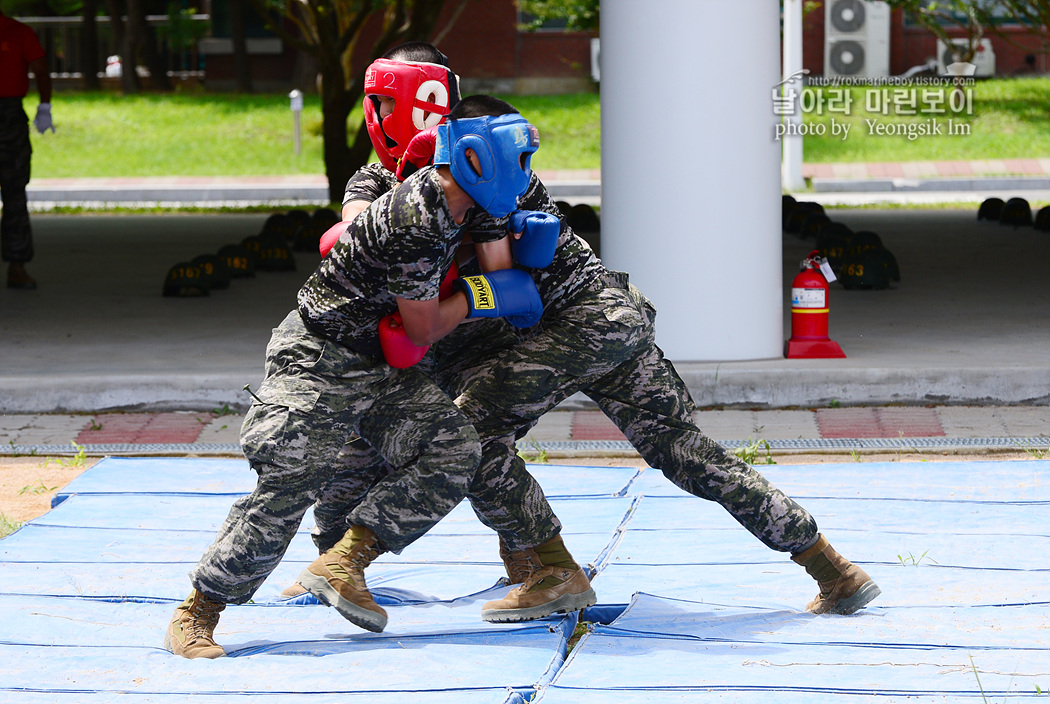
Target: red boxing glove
{"points": [[329, 238], [448, 285], [418, 153], [399, 351]]}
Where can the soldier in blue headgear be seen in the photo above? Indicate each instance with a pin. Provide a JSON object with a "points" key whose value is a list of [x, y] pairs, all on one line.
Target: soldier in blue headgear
{"points": [[596, 336]]}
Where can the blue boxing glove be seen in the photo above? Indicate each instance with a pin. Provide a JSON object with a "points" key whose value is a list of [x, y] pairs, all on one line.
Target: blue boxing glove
{"points": [[539, 237], [507, 293]]}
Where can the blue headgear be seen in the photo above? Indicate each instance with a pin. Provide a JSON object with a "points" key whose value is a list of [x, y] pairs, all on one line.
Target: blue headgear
{"points": [[499, 142]]}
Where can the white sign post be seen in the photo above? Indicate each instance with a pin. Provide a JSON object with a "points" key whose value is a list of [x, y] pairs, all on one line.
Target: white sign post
{"points": [[296, 97]]}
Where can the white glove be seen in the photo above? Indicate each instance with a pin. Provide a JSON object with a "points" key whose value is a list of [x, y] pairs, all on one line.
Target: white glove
{"points": [[42, 121]]}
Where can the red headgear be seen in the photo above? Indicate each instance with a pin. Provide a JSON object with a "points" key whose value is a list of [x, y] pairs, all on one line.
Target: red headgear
{"points": [[423, 94]]}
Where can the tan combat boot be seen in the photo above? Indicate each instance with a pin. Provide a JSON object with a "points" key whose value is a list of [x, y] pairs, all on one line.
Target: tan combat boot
{"points": [[337, 578], [557, 586], [844, 587], [519, 564], [292, 591], [191, 631]]}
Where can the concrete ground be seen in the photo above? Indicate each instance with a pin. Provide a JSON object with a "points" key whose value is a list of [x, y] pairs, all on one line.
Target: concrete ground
{"points": [[965, 325], [964, 329], [571, 434]]}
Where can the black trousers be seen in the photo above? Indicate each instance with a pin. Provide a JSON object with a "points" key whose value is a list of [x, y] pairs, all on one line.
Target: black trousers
{"points": [[16, 236]]}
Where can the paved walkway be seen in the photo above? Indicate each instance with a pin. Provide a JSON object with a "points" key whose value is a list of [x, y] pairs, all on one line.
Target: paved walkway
{"points": [[928, 181], [577, 186], [929, 169], [584, 431], [829, 183], [570, 433]]}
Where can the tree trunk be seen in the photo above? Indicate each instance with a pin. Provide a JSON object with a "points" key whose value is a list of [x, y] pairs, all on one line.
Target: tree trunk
{"points": [[241, 70], [151, 51], [89, 63], [145, 45], [403, 20], [125, 40], [339, 159]]}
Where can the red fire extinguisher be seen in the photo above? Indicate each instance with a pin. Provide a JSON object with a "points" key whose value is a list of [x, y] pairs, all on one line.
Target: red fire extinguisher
{"points": [[809, 312]]}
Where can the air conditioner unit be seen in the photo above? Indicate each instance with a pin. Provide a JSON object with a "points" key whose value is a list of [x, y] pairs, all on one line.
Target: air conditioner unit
{"points": [[983, 59], [856, 38]]}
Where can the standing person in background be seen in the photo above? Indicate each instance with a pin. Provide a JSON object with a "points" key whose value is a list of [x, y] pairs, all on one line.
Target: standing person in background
{"points": [[20, 54]]}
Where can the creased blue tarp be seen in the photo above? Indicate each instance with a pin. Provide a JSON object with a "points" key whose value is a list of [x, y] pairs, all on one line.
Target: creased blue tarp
{"points": [[116, 546], [195, 475], [958, 549], [877, 651], [928, 481]]}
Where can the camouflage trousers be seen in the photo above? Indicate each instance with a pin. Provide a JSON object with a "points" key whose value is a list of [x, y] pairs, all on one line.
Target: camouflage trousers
{"points": [[452, 363], [603, 344], [16, 237], [316, 394]]}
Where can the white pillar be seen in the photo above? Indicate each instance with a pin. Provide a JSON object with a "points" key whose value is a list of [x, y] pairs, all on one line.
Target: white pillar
{"points": [[691, 170], [792, 164]]}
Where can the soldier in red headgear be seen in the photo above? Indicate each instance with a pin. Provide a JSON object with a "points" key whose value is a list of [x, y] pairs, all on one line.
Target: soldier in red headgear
{"points": [[326, 380]]}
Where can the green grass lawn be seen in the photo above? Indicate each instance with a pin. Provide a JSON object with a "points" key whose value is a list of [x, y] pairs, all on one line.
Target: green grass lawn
{"points": [[999, 119], [204, 134], [109, 135]]}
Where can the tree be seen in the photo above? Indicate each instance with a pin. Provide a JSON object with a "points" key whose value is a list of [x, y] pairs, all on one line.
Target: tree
{"points": [[1031, 14], [578, 15], [136, 40], [1034, 14], [151, 54], [127, 45], [939, 15], [241, 69], [330, 31], [89, 63]]}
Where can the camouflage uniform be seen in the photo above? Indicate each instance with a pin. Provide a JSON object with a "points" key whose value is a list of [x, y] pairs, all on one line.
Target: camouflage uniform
{"points": [[596, 336], [358, 465], [453, 359], [325, 379]]}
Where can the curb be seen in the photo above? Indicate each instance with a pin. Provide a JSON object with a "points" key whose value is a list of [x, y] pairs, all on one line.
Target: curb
{"points": [[531, 449], [944, 185]]}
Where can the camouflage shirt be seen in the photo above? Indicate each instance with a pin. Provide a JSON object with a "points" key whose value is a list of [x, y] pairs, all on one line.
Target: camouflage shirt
{"points": [[400, 247], [370, 182], [575, 267]]}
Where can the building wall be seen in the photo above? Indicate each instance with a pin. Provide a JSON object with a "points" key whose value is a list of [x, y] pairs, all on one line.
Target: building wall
{"points": [[483, 44], [911, 46]]}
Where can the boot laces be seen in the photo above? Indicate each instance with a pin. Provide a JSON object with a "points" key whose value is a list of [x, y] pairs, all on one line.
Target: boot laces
{"points": [[204, 616], [363, 554], [520, 565]]}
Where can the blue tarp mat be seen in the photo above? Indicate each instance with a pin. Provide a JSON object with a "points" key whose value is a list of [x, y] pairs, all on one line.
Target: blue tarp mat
{"points": [[893, 652], [115, 546], [296, 649], [932, 481], [957, 547], [500, 695], [194, 475]]}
